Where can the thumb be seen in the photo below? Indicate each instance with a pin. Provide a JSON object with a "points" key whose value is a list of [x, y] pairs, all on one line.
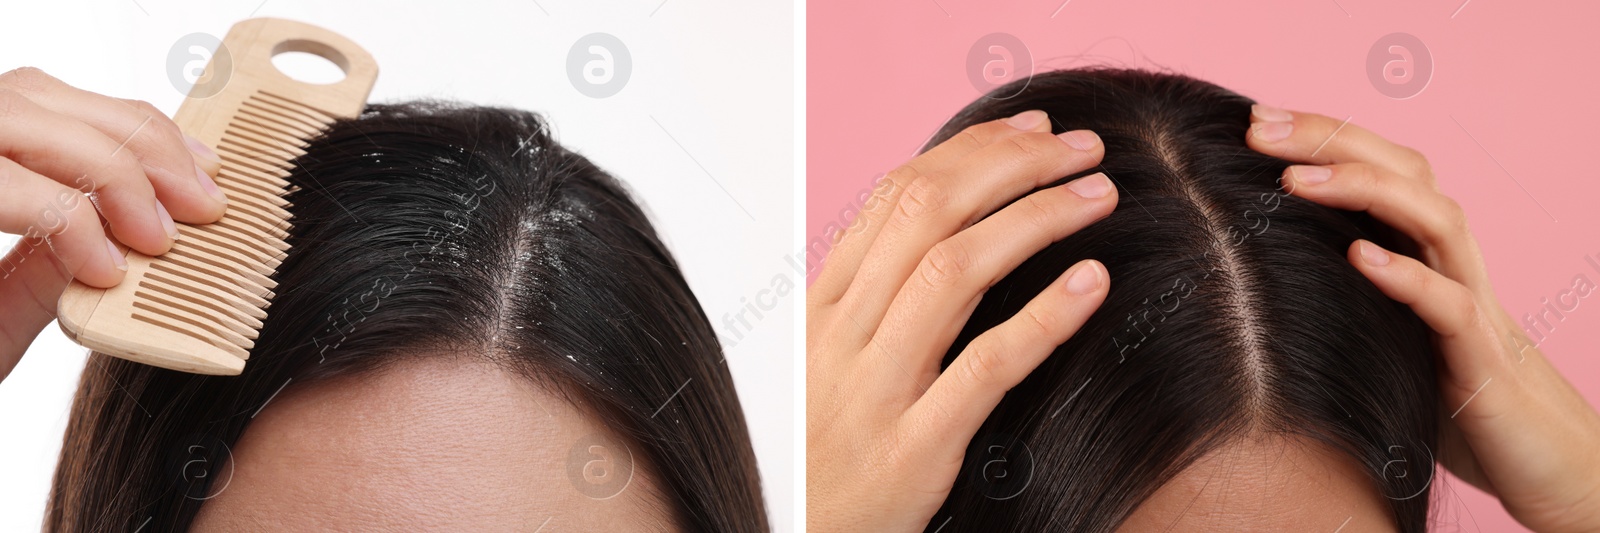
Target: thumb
{"points": [[32, 278]]}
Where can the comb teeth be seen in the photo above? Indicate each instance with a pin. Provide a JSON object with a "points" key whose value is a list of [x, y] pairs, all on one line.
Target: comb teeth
{"points": [[199, 307], [215, 283]]}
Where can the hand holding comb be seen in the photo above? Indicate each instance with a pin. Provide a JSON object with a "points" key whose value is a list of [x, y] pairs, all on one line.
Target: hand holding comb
{"points": [[199, 307]]}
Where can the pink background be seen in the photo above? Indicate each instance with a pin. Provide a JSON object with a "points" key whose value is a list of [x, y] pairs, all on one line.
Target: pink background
{"points": [[1518, 77]]}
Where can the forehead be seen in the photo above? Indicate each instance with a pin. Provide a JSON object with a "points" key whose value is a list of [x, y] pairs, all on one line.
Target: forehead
{"points": [[432, 442], [1266, 483]]}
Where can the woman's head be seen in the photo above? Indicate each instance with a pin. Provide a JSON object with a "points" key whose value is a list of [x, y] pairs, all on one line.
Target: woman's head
{"points": [[1240, 372], [476, 327]]}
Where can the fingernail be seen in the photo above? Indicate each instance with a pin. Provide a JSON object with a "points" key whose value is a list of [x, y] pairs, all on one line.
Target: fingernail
{"points": [[1092, 186], [1373, 255], [166, 220], [1027, 120], [200, 150], [209, 185], [1310, 175], [1080, 139], [1272, 131], [116, 256], [1084, 280], [1268, 113]]}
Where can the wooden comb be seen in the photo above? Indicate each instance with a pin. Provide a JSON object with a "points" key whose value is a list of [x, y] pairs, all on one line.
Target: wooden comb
{"points": [[198, 307]]}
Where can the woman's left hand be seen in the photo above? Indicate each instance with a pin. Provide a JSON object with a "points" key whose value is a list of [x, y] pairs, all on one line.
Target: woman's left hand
{"points": [[1515, 427]]}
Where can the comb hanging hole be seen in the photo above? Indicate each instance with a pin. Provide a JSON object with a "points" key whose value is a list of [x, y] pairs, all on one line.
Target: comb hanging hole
{"points": [[308, 62]]}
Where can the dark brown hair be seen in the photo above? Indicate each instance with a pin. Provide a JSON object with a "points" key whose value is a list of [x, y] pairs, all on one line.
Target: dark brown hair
{"points": [[421, 226]]}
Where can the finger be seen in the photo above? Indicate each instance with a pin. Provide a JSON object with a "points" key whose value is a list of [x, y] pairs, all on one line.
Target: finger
{"points": [[936, 206], [1415, 208], [1472, 352], [852, 245], [208, 160], [175, 164], [1320, 140], [58, 220], [1522, 422], [948, 415], [939, 297], [74, 154]]}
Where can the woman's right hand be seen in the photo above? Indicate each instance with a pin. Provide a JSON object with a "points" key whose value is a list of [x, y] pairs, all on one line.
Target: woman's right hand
{"points": [[1512, 425], [886, 431], [59, 143]]}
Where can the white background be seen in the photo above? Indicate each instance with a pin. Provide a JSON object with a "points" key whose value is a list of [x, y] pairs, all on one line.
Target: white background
{"points": [[716, 75]]}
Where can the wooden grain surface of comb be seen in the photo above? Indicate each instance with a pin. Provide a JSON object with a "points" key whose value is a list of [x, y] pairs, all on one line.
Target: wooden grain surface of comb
{"points": [[198, 307]]}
